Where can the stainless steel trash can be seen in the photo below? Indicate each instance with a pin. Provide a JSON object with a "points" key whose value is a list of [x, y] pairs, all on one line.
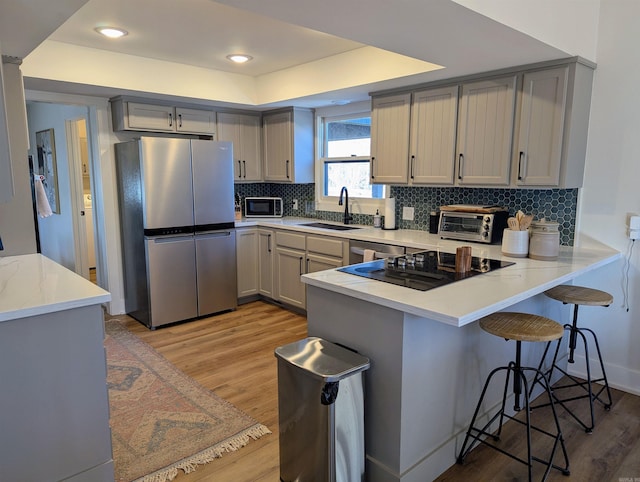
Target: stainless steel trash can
{"points": [[321, 409]]}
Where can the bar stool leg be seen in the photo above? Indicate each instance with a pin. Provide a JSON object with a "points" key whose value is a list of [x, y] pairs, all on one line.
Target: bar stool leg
{"points": [[574, 333], [519, 382]]}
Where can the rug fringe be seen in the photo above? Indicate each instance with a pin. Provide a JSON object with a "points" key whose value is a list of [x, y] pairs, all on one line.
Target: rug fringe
{"points": [[190, 464]]}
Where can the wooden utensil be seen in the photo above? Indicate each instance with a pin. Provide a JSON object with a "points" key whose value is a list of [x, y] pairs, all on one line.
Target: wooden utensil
{"points": [[513, 224], [525, 222]]}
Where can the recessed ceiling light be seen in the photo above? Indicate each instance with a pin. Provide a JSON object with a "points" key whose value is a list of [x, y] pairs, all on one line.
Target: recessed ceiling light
{"points": [[111, 32], [239, 58]]}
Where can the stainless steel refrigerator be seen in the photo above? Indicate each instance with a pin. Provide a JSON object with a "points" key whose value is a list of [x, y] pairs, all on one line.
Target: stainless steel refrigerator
{"points": [[177, 224]]}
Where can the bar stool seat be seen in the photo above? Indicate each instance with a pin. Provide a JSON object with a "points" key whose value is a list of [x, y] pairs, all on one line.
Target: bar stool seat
{"points": [[529, 328], [579, 295]]}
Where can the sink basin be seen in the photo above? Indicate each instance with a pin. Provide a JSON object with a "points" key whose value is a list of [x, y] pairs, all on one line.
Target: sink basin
{"points": [[335, 227]]}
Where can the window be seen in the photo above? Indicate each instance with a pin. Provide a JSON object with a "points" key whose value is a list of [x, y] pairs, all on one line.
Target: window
{"points": [[344, 144]]}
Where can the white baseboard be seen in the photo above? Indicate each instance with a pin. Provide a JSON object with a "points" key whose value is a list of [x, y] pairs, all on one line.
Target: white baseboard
{"points": [[620, 378]]}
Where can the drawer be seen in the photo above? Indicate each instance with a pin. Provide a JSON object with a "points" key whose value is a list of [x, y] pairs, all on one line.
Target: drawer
{"points": [[290, 240], [327, 246]]}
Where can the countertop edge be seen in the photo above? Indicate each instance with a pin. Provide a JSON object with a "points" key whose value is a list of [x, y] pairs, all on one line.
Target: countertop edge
{"points": [[470, 317], [33, 285]]}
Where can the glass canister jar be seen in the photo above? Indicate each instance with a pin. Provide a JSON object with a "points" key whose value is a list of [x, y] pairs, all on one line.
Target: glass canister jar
{"points": [[544, 240]]}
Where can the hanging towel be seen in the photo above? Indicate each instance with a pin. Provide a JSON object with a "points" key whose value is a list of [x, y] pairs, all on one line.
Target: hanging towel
{"points": [[369, 255], [42, 203]]}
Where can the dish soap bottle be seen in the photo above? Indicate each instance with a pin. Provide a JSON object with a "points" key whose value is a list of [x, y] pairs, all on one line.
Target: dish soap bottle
{"points": [[376, 220]]}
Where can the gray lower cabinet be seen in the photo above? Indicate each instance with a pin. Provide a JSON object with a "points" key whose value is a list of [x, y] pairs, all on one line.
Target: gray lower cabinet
{"points": [[54, 408], [266, 257], [247, 261], [290, 264], [270, 262]]}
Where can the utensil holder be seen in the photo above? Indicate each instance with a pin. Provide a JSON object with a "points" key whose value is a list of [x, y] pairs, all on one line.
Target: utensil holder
{"points": [[515, 243]]}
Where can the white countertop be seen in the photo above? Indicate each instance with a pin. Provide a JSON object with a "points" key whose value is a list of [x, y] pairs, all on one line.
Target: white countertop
{"points": [[468, 300], [32, 285], [461, 302]]}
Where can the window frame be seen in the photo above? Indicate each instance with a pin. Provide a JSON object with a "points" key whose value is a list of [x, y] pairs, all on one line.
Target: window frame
{"points": [[330, 203]]}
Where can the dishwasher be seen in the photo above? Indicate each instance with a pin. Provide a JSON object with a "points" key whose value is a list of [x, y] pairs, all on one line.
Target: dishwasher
{"points": [[356, 250]]}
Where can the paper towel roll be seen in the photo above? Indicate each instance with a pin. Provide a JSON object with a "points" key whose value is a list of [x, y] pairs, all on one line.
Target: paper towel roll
{"points": [[390, 213]]}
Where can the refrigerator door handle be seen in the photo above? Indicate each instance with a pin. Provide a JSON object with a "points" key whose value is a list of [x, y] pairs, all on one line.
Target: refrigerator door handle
{"points": [[213, 234], [169, 239]]}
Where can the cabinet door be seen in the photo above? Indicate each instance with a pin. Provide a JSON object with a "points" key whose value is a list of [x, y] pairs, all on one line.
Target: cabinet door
{"points": [[229, 130], [278, 147], [316, 262], [195, 121], [251, 147], [151, 117], [390, 118], [245, 133], [290, 265], [247, 261], [433, 136], [485, 128], [266, 250], [539, 149]]}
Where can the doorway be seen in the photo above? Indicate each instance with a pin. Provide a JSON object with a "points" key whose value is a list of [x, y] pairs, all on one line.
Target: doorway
{"points": [[82, 198]]}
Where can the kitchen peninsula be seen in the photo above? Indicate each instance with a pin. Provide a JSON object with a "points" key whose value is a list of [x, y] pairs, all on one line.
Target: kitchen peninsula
{"points": [[429, 358], [54, 409]]}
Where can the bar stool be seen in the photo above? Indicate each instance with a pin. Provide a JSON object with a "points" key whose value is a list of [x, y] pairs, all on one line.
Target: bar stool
{"points": [[519, 327], [578, 295]]}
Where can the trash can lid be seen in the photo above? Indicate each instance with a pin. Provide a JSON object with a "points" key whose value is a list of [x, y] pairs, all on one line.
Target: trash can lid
{"points": [[322, 359]]}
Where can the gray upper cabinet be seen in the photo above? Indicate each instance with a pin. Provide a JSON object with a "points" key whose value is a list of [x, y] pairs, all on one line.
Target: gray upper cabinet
{"points": [[433, 136], [135, 116], [288, 145], [245, 132], [485, 127], [552, 127], [524, 127], [390, 118]]}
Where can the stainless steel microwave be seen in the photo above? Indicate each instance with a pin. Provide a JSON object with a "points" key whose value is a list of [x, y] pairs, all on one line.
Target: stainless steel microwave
{"points": [[263, 207], [473, 226]]}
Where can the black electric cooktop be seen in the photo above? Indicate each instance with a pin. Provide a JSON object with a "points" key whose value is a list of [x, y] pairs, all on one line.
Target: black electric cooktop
{"points": [[423, 270]]}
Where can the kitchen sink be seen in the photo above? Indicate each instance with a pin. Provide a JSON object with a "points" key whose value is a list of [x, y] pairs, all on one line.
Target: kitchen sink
{"points": [[335, 227]]}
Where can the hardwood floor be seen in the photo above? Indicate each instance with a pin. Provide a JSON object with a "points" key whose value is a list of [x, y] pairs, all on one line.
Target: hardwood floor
{"points": [[232, 355]]}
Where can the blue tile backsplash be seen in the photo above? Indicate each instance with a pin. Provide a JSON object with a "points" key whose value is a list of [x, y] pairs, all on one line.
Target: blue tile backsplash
{"points": [[558, 205]]}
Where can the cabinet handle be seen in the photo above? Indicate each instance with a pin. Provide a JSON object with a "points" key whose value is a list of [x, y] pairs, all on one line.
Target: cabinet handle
{"points": [[179, 120], [239, 169], [460, 159], [307, 265], [268, 243], [244, 164], [170, 120], [413, 158], [287, 162], [520, 165], [371, 168], [300, 262]]}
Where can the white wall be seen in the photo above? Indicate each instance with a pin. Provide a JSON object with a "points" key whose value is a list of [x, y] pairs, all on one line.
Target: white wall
{"points": [[56, 231], [612, 186]]}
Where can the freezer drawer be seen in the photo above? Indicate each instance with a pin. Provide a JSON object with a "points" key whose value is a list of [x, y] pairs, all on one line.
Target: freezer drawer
{"points": [[216, 271], [171, 277]]}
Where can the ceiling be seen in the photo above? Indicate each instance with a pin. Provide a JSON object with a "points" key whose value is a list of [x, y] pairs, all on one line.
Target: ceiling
{"points": [[305, 52]]}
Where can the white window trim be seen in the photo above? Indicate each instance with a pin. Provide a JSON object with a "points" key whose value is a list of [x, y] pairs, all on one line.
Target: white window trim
{"points": [[330, 203]]}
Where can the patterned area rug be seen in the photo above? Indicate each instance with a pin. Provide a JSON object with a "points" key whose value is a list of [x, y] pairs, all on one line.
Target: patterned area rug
{"points": [[162, 420]]}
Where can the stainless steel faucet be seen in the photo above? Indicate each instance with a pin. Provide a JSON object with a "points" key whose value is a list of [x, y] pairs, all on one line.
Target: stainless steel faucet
{"points": [[347, 217]]}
